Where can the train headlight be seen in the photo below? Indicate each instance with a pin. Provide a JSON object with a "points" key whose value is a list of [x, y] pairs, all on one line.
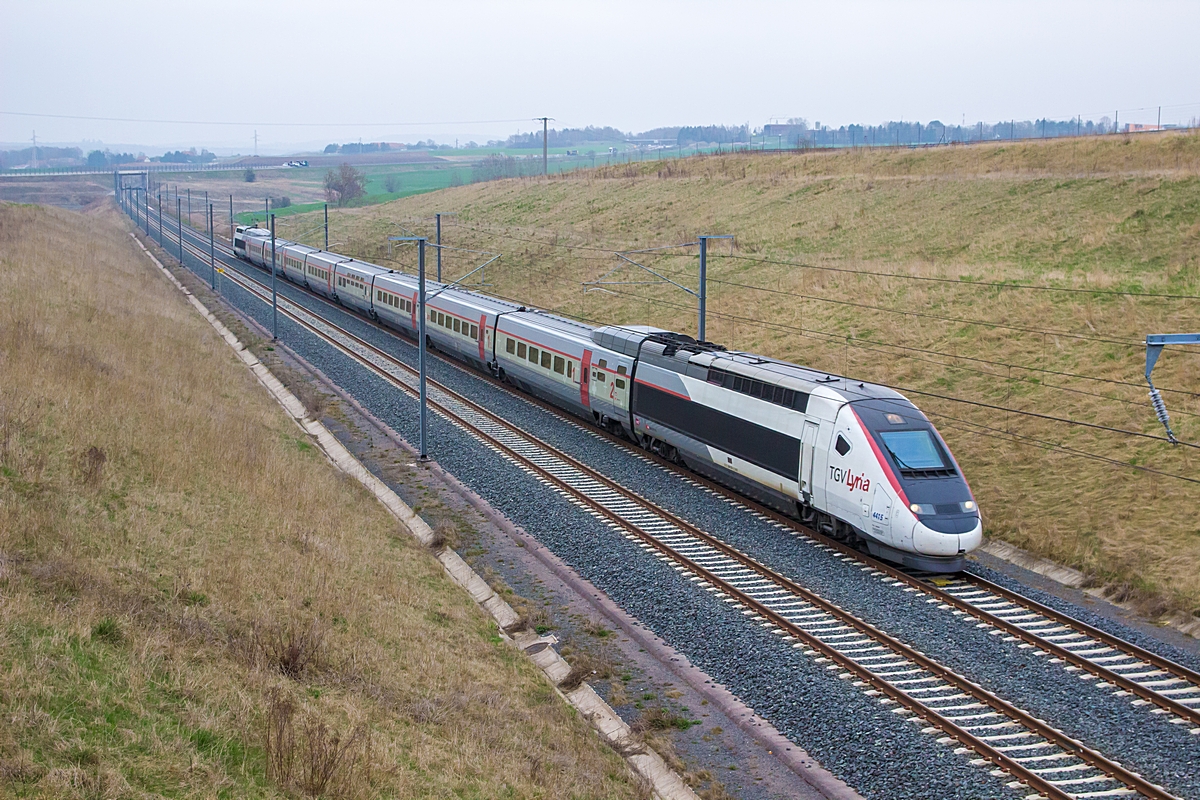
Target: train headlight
{"points": [[968, 505], [921, 508]]}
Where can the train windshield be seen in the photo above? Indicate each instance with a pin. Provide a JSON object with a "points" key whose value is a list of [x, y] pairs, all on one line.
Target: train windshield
{"points": [[913, 449]]}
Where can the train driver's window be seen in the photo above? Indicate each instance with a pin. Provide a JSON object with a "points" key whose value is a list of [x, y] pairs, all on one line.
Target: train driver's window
{"points": [[510, 346], [842, 446]]}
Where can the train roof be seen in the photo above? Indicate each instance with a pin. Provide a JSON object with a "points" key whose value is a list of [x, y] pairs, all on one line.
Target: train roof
{"points": [[678, 351], [675, 350]]}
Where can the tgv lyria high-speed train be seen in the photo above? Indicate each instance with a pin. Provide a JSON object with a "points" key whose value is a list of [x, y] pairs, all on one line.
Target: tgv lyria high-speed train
{"points": [[857, 460]]}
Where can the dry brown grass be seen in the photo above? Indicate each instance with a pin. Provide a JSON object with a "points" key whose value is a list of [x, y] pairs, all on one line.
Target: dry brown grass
{"points": [[1116, 213], [181, 572]]}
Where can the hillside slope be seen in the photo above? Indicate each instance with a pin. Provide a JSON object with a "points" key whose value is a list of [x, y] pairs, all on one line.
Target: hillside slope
{"points": [[193, 603], [958, 232]]}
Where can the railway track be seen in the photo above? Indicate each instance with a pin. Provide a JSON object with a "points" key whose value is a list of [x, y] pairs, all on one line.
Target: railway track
{"points": [[1130, 670], [1030, 752]]}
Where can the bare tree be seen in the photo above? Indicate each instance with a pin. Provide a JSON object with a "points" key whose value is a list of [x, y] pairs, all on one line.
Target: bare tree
{"points": [[345, 185]]}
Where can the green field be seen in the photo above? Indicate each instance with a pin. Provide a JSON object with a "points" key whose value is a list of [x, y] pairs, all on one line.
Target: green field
{"points": [[898, 266]]}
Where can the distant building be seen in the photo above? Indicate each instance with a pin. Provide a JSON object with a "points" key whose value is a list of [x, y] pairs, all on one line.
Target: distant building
{"points": [[790, 134]]}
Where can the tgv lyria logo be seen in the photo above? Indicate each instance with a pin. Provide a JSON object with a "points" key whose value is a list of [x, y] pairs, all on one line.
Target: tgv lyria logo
{"points": [[854, 482]]}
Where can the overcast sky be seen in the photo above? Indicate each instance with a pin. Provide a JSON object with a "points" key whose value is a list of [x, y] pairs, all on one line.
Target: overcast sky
{"points": [[399, 71]]}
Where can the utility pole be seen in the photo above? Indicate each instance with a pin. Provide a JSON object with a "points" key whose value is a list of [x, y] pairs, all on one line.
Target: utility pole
{"points": [[179, 219], [1159, 126], [423, 455], [231, 220], [212, 251], [327, 226], [35, 149], [274, 297], [189, 191], [210, 215], [439, 240], [545, 150], [703, 293], [160, 239], [256, 144]]}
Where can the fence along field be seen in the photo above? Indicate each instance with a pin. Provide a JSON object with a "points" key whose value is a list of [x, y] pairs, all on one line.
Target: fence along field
{"points": [[1119, 215], [194, 602]]}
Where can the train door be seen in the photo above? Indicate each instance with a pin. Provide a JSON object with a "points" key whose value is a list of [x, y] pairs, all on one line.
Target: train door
{"points": [[881, 514], [618, 389], [808, 452], [585, 379]]}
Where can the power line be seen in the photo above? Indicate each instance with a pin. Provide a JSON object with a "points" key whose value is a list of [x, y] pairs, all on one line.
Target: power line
{"points": [[392, 124], [996, 433], [961, 282], [949, 398], [924, 315], [859, 342]]}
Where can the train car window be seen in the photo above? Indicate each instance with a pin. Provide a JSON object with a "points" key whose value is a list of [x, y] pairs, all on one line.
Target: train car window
{"points": [[621, 370], [378, 295], [842, 446], [457, 325], [603, 363], [570, 369], [778, 395], [520, 349], [475, 332], [559, 365], [716, 376], [620, 383], [441, 319], [737, 383], [432, 315], [788, 397], [533, 354], [600, 377], [510, 346], [800, 403], [546, 359]]}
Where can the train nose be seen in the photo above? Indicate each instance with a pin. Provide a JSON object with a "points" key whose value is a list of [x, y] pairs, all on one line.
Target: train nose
{"points": [[947, 536]]}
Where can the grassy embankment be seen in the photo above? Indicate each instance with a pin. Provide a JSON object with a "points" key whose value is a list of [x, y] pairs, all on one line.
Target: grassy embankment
{"points": [[193, 603], [1107, 213]]}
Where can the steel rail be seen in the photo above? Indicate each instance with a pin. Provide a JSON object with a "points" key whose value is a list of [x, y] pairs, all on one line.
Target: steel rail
{"points": [[947, 725]]}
